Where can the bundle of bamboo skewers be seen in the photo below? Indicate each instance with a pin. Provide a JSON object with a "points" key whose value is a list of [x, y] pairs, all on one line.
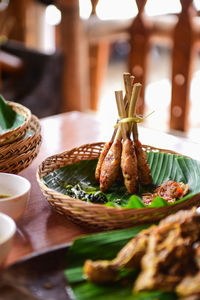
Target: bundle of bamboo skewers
{"points": [[124, 153]]}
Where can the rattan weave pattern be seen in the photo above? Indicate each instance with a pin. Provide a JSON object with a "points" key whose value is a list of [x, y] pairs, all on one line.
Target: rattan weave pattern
{"points": [[17, 133], [96, 215], [23, 145], [18, 155]]}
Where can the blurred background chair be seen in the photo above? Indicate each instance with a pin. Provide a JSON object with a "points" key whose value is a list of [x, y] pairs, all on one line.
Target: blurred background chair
{"points": [[180, 31]]}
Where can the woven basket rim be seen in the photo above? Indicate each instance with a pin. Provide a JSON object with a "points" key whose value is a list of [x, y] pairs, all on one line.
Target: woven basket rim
{"points": [[22, 161], [22, 145], [78, 201], [18, 130], [19, 157], [34, 126]]}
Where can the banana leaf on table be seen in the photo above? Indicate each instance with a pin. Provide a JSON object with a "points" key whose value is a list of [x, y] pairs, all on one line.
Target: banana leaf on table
{"points": [[9, 119], [163, 166], [105, 246]]}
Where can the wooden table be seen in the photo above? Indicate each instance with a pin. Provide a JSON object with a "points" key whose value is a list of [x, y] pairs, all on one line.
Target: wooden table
{"points": [[41, 228]]}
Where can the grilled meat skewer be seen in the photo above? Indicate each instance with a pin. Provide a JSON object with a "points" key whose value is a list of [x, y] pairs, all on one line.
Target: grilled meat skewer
{"points": [[101, 159], [103, 155], [144, 173], [111, 165], [142, 165], [129, 166]]}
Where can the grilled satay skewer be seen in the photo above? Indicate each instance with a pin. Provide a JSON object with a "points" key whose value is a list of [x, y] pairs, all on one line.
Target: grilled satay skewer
{"points": [[111, 164], [103, 155], [144, 173]]}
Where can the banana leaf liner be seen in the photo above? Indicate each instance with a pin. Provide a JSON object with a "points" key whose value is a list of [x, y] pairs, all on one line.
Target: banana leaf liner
{"points": [[98, 215]]}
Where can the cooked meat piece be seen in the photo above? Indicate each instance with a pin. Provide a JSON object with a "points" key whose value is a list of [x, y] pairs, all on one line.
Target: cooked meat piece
{"points": [[189, 285], [166, 252], [189, 221], [131, 254], [129, 166], [100, 271], [168, 190], [144, 173], [171, 190], [168, 258], [101, 159], [129, 257], [110, 166]]}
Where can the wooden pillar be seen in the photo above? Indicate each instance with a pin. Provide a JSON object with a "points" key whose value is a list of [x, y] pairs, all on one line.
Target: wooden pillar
{"points": [[98, 61], [182, 67], [98, 58], [75, 65], [139, 48]]}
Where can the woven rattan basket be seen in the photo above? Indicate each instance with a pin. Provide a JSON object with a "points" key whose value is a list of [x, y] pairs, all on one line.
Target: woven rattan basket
{"points": [[16, 133], [96, 215], [18, 155]]}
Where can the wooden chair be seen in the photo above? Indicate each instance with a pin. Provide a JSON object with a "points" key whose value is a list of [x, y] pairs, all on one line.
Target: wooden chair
{"points": [[180, 31]]}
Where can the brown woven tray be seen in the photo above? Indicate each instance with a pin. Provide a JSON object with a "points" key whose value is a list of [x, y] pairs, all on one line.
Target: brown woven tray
{"points": [[96, 215], [16, 133], [18, 155]]}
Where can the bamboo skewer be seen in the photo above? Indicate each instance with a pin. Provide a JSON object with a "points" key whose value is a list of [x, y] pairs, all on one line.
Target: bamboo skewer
{"points": [[128, 84], [121, 112], [132, 108]]}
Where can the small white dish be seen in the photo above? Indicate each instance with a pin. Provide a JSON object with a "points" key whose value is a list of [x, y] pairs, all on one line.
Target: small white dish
{"points": [[7, 232], [17, 188]]}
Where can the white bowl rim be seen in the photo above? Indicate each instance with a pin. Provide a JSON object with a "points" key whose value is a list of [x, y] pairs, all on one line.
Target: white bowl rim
{"points": [[19, 194], [13, 227]]}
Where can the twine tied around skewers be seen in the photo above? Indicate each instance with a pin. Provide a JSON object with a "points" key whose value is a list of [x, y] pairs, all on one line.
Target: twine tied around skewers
{"points": [[135, 119]]}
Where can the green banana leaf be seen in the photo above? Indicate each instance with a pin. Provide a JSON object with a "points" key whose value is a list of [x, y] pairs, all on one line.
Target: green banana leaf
{"points": [[163, 166], [9, 119], [105, 246]]}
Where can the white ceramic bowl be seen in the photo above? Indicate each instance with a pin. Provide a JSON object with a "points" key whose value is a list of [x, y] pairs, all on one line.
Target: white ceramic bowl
{"points": [[18, 189], [7, 232]]}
